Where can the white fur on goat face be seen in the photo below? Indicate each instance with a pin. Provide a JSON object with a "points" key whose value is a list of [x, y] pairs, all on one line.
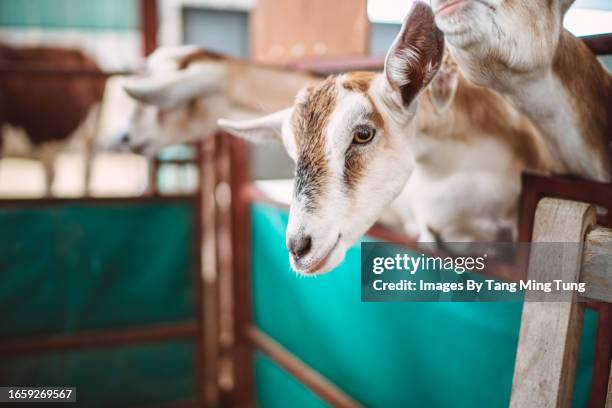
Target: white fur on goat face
{"points": [[174, 104], [502, 33], [342, 187], [342, 183], [152, 128]]}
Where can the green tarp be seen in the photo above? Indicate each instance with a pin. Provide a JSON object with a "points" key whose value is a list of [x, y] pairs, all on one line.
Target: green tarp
{"points": [[383, 354], [70, 14], [66, 269], [92, 266]]}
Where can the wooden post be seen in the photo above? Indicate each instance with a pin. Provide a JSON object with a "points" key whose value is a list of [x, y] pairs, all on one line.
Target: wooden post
{"points": [[609, 399], [538, 186], [148, 25], [549, 338], [209, 272], [242, 394]]}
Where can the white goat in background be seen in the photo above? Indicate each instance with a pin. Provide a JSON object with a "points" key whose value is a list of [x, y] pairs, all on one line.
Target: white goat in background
{"points": [[186, 89]]}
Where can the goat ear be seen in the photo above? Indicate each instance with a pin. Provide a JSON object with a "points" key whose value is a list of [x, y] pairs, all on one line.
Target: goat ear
{"points": [[175, 88], [261, 130], [443, 86], [416, 53]]}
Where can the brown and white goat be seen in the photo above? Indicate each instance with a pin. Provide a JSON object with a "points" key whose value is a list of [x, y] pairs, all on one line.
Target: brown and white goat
{"points": [[358, 138], [186, 89], [519, 48]]}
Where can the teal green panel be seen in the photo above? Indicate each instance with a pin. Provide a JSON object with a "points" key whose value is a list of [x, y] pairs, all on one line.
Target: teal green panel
{"points": [[270, 379], [91, 266], [386, 354], [87, 14], [125, 376]]}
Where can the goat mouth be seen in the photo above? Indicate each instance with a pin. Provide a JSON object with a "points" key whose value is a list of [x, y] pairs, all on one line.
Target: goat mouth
{"points": [[318, 265], [452, 6]]}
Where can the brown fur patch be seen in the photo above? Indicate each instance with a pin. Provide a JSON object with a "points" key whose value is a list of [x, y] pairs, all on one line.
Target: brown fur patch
{"points": [[355, 162], [375, 116], [441, 88], [200, 55], [358, 81], [590, 88], [310, 118], [476, 112], [161, 116], [354, 168]]}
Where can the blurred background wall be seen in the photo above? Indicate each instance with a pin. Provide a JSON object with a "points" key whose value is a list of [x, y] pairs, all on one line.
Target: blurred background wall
{"points": [[267, 31], [106, 29]]}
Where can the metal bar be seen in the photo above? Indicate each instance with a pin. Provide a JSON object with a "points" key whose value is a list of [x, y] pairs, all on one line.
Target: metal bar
{"points": [[209, 270], [242, 365], [598, 44], [603, 355], [609, 399], [202, 358], [70, 73], [318, 384], [225, 267], [101, 201], [101, 338]]}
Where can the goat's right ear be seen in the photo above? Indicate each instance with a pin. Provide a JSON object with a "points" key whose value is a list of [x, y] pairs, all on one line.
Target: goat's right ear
{"points": [[265, 129], [416, 53]]}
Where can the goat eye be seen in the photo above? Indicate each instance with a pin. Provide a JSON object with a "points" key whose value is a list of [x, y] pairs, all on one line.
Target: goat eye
{"points": [[363, 135]]}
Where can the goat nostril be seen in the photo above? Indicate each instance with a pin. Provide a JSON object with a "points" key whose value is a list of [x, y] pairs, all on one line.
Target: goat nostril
{"points": [[125, 138], [300, 246]]}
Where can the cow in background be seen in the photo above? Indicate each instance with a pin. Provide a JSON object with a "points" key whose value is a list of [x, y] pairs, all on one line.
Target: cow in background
{"points": [[42, 113]]}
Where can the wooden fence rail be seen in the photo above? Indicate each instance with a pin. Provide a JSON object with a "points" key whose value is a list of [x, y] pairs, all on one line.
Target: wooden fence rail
{"points": [[549, 338]]}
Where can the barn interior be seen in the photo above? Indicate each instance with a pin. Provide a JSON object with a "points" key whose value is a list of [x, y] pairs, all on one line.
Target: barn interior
{"points": [[157, 275]]}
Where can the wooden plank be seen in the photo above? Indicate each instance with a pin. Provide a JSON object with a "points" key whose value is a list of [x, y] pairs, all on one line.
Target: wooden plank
{"points": [[537, 186], [318, 384], [547, 353], [597, 271], [597, 275], [287, 30]]}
